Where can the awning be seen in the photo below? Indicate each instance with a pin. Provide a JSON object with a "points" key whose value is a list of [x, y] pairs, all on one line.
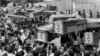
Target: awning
{"points": [[46, 27], [31, 9], [60, 17], [57, 16], [50, 12], [78, 25], [16, 16], [69, 26], [93, 20], [44, 4], [93, 23]]}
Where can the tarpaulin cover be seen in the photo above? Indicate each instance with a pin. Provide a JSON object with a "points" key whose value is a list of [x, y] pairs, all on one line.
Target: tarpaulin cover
{"points": [[93, 25]]}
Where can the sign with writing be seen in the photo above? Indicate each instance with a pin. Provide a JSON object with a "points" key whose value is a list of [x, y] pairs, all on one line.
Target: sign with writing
{"points": [[31, 15], [41, 36], [88, 38], [58, 27]]}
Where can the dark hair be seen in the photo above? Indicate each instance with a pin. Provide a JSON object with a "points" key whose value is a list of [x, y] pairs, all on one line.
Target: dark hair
{"points": [[97, 12], [22, 53], [5, 54], [10, 50], [83, 10], [81, 44]]}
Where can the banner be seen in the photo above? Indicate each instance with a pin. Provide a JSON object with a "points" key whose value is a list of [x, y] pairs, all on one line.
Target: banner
{"points": [[31, 15], [58, 27], [88, 38], [41, 36]]}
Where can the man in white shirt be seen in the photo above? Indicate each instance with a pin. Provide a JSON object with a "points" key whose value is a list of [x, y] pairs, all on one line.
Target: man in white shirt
{"points": [[51, 53], [2, 51], [10, 54]]}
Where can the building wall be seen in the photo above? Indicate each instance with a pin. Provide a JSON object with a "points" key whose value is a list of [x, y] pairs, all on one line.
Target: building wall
{"points": [[92, 3], [62, 5], [88, 5]]}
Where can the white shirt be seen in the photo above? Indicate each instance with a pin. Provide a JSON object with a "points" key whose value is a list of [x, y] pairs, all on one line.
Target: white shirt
{"points": [[10, 6], [2, 52], [98, 49], [34, 48], [82, 54], [19, 49], [23, 37], [10, 54], [2, 38], [6, 26], [52, 54], [25, 53]]}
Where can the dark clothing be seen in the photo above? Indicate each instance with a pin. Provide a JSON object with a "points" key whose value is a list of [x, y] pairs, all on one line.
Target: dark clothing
{"points": [[98, 53], [35, 53], [79, 13], [98, 15], [71, 52], [91, 16], [84, 15], [87, 54], [57, 53], [20, 42]]}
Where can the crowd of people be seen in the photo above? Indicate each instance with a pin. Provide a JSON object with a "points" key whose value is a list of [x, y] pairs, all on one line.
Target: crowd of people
{"points": [[18, 39], [84, 14]]}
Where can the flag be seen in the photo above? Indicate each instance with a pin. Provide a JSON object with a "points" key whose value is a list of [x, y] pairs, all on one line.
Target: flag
{"points": [[74, 8]]}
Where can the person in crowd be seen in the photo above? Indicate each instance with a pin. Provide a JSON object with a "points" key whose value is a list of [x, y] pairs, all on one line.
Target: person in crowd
{"points": [[51, 53], [57, 53], [84, 14], [69, 12], [91, 15], [98, 15], [94, 51], [5, 54], [61, 12], [66, 11], [82, 49], [79, 13], [19, 42], [66, 52], [10, 52], [60, 51], [2, 51]]}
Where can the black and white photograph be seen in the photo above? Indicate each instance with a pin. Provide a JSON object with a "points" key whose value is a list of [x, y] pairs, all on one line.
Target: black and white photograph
{"points": [[49, 27]]}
